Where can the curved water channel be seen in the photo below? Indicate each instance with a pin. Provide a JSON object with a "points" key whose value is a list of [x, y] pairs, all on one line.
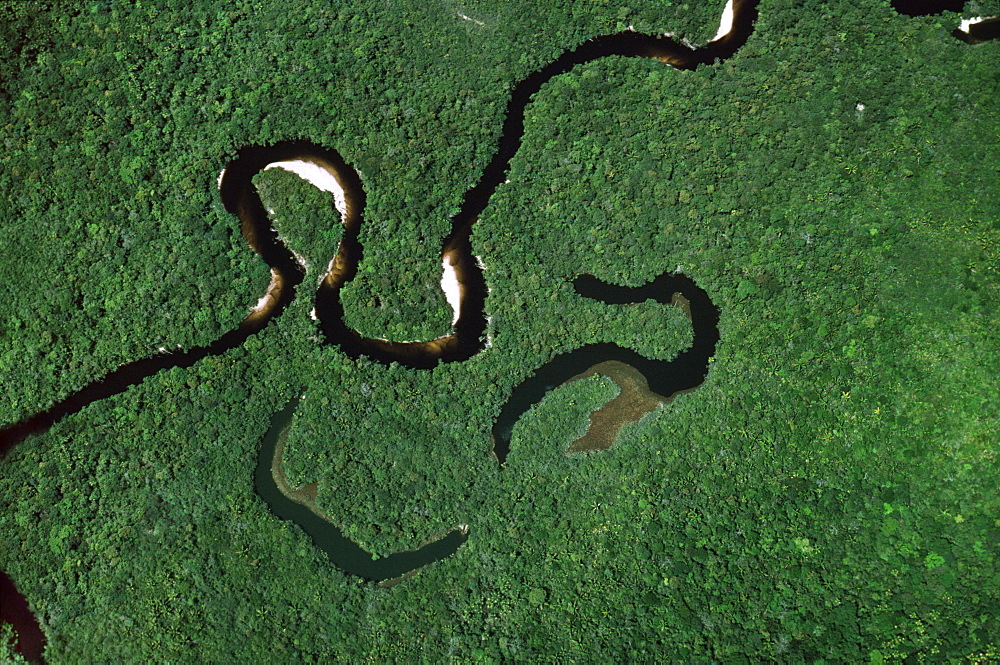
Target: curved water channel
{"points": [[299, 505], [467, 338], [646, 383], [664, 378]]}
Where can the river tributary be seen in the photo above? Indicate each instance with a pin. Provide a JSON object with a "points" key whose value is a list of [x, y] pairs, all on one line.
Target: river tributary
{"points": [[468, 336]]}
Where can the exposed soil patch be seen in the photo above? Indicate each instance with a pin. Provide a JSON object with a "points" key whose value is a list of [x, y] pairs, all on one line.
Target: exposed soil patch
{"points": [[634, 401]]}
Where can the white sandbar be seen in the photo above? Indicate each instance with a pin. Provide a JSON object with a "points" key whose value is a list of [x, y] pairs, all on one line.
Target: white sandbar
{"points": [[452, 291], [968, 22], [726, 23], [318, 177], [268, 295]]}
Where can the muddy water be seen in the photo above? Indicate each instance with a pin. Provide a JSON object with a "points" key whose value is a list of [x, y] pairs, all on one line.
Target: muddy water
{"points": [[468, 336], [664, 378]]}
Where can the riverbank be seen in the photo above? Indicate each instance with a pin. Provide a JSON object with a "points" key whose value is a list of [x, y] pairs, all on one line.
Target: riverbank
{"points": [[300, 506]]}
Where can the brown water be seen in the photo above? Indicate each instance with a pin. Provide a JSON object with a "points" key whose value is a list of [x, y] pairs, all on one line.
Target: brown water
{"points": [[467, 339], [664, 378]]}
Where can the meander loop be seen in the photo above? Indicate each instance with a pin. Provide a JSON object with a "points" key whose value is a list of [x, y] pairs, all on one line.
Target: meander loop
{"points": [[467, 339]]}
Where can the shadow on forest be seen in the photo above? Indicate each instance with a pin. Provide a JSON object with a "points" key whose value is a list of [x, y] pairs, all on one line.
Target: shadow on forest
{"points": [[240, 197]]}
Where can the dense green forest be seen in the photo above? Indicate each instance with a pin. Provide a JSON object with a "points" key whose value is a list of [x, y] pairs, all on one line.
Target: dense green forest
{"points": [[829, 493]]}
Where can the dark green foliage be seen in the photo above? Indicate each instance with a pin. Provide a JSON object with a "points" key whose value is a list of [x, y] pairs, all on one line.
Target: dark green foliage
{"points": [[829, 492], [8, 643], [309, 222]]}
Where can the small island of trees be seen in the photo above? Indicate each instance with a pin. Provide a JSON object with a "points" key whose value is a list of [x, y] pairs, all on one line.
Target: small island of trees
{"points": [[828, 493]]}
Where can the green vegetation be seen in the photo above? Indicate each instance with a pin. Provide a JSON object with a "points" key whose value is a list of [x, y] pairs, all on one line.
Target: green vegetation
{"points": [[560, 418], [828, 493], [8, 639], [307, 217]]}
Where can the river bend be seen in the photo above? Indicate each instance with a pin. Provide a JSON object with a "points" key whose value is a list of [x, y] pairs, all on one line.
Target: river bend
{"points": [[468, 335]]}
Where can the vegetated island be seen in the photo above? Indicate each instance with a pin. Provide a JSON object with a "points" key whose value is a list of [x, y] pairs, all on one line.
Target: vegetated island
{"points": [[858, 479]]}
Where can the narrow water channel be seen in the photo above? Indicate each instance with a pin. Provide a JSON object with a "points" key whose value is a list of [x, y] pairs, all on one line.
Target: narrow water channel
{"points": [[343, 552], [665, 378], [468, 337], [14, 611]]}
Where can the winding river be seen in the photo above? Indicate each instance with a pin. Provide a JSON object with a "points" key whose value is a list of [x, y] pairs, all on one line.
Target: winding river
{"points": [[467, 338], [646, 383], [299, 506], [663, 379]]}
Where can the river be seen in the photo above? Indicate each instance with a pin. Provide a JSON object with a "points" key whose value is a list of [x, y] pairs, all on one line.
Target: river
{"points": [[468, 336]]}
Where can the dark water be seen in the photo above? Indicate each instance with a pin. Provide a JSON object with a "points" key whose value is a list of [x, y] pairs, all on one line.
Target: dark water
{"points": [[14, 610], [926, 7], [665, 377], [240, 198], [343, 552], [981, 32]]}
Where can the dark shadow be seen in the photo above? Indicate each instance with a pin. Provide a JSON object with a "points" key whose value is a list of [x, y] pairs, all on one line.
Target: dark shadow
{"points": [[926, 7], [981, 32]]}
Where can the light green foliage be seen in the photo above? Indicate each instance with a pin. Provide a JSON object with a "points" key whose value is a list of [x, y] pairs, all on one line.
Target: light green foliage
{"points": [[546, 431], [853, 255]]}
